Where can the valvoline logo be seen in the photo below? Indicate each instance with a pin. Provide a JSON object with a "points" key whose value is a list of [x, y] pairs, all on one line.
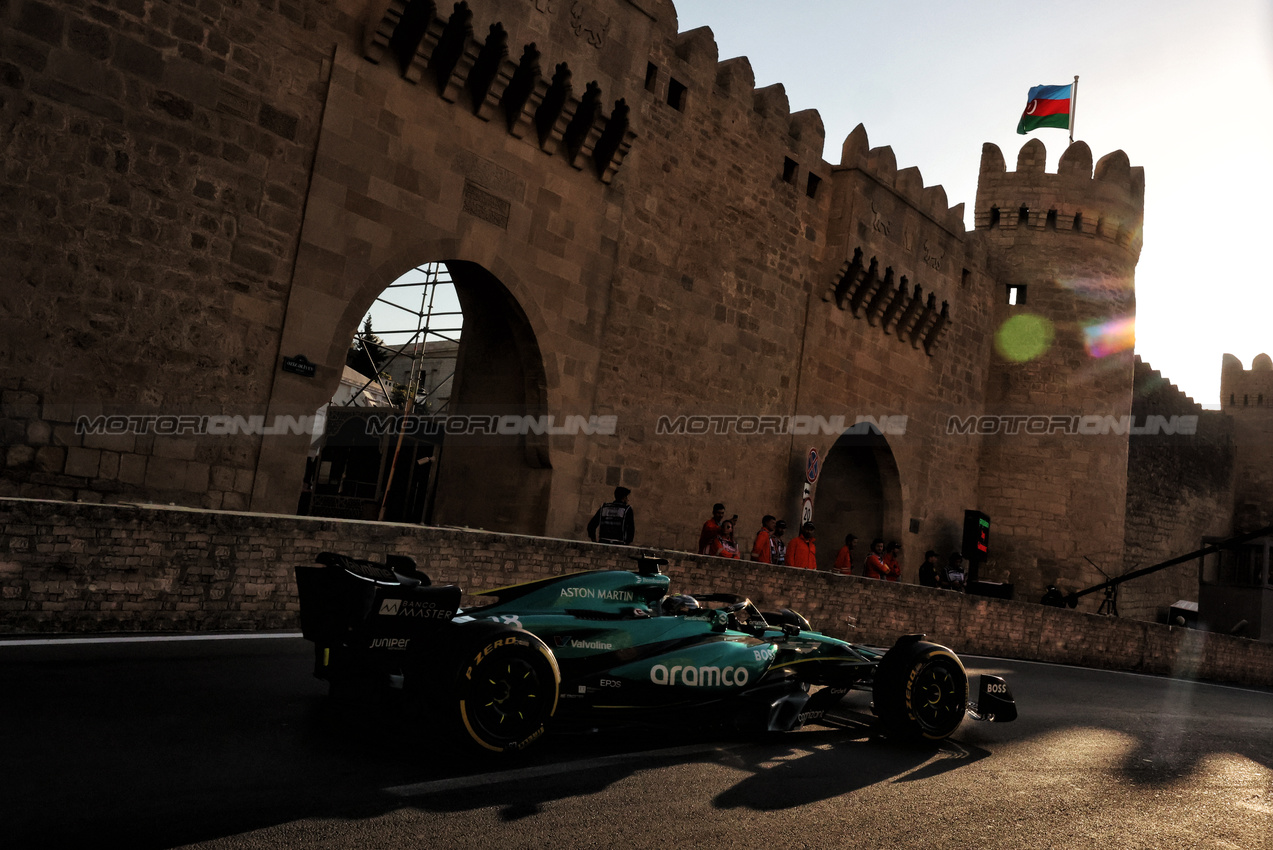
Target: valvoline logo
{"points": [[568, 642]]}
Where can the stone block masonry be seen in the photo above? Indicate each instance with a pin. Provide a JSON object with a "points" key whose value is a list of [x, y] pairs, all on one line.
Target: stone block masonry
{"points": [[195, 194], [1180, 489], [67, 567]]}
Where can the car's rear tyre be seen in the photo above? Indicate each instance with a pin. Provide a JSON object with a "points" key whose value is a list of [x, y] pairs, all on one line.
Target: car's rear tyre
{"points": [[921, 691], [504, 690]]}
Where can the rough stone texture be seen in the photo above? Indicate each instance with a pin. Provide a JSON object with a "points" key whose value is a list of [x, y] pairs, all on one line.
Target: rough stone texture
{"points": [[1246, 396], [70, 567], [1070, 240], [1180, 489], [192, 192]]}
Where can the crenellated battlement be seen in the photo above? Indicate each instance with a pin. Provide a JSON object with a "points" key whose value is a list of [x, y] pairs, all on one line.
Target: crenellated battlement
{"points": [[902, 245], [545, 103], [1153, 393], [880, 164], [1105, 203], [1244, 389]]}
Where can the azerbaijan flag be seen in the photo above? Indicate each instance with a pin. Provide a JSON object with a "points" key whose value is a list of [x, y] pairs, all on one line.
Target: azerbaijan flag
{"points": [[1049, 106]]}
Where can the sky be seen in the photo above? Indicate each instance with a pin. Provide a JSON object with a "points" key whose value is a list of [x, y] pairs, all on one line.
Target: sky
{"points": [[1183, 87]]}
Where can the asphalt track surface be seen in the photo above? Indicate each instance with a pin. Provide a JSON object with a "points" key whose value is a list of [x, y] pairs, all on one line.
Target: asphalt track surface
{"points": [[231, 744]]}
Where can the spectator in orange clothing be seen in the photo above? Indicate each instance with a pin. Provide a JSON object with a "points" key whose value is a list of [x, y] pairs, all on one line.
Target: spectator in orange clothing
{"points": [[724, 546], [711, 529], [803, 552], [875, 566], [778, 546], [761, 551], [844, 558], [893, 560]]}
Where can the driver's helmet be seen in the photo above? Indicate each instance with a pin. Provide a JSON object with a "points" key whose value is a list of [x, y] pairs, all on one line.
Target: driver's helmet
{"points": [[682, 604]]}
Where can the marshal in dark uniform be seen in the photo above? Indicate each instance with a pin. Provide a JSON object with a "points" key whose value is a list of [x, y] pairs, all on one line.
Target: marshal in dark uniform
{"points": [[613, 522]]}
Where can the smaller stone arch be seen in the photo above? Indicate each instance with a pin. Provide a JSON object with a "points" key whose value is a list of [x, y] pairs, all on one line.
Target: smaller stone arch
{"points": [[859, 492]]}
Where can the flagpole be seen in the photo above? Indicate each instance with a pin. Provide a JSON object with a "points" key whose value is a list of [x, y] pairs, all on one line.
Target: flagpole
{"points": [[1074, 102]]}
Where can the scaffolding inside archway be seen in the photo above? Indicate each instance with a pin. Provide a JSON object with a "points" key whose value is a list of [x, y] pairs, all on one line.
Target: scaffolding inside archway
{"points": [[401, 363]]}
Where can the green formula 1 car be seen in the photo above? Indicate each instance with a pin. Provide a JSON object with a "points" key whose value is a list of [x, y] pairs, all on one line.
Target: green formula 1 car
{"points": [[614, 644]]}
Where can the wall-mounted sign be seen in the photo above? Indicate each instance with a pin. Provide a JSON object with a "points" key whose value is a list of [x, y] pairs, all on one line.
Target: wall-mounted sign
{"points": [[812, 465], [299, 365]]}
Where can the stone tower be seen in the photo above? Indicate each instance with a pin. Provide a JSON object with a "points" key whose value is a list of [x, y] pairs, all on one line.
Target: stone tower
{"points": [[1246, 396], [1054, 455]]}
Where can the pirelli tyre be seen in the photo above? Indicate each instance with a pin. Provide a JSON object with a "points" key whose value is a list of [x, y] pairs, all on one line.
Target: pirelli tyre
{"points": [[921, 691], [504, 687]]}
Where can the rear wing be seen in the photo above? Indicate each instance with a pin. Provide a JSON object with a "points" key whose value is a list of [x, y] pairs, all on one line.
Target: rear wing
{"points": [[356, 602]]}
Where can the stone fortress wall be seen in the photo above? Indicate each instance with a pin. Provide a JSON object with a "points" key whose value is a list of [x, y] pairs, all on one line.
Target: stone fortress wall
{"points": [[193, 194], [1178, 487]]}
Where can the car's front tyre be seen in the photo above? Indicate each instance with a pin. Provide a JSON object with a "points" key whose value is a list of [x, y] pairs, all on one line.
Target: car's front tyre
{"points": [[921, 691]]}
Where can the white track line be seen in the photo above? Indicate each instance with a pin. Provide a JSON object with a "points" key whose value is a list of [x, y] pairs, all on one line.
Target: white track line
{"points": [[144, 639], [1253, 689]]}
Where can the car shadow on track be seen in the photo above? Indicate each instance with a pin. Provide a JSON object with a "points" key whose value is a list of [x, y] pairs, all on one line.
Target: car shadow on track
{"points": [[816, 768], [783, 770]]}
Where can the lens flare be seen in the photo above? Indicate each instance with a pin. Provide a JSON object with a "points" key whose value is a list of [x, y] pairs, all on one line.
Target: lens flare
{"points": [[1110, 337], [1024, 337]]}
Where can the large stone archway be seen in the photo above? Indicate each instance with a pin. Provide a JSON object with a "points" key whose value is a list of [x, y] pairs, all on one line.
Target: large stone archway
{"points": [[532, 244]]}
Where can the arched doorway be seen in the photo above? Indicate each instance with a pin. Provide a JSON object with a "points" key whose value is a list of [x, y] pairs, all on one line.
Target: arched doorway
{"points": [[859, 492], [495, 470], [430, 423]]}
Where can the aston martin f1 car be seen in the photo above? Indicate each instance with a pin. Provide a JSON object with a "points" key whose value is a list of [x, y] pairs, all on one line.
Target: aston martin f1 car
{"points": [[613, 644]]}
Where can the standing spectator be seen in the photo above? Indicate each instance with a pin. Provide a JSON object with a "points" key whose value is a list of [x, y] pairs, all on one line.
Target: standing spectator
{"points": [[930, 574], [778, 546], [761, 549], [956, 578], [803, 552], [614, 522], [875, 566], [893, 560], [724, 546], [711, 529], [844, 558]]}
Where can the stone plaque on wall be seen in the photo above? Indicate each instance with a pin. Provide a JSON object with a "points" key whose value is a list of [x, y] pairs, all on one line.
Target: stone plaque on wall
{"points": [[482, 204]]}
